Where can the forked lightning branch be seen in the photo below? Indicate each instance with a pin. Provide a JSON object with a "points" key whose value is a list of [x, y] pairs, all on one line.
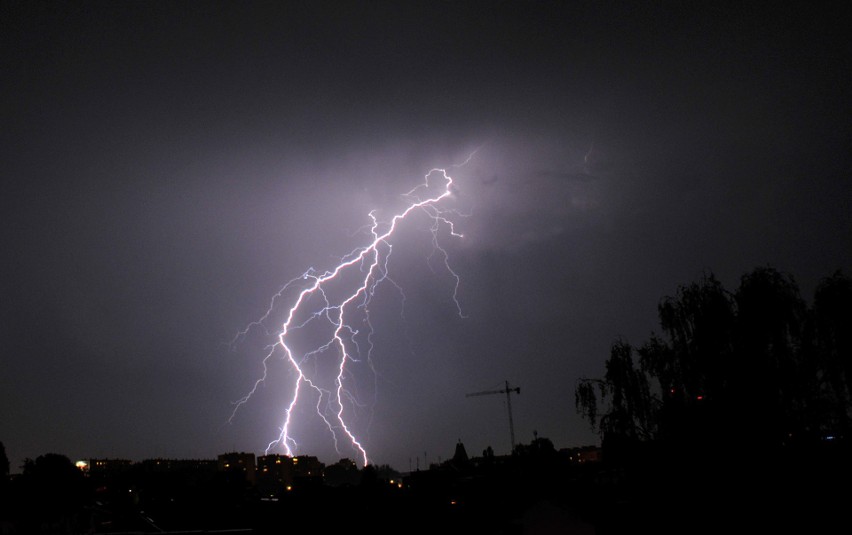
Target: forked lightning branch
{"points": [[333, 299]]}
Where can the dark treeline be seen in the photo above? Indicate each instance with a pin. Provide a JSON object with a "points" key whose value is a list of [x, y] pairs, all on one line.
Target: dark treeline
{"points": [[739, 409]]}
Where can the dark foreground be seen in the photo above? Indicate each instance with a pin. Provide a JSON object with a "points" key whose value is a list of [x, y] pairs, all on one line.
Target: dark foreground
{"points": [[655, 488]]}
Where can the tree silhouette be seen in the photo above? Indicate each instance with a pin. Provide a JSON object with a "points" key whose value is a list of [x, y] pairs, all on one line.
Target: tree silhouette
{"points": [[4, 462], [755, 365], [832, 317], [626, 389], [4, 484], [692, 362], [342, 473], [769, 385], [52, 492]]}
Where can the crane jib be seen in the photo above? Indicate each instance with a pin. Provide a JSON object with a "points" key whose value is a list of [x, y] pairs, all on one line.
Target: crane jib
{"points": [[508, 391]]}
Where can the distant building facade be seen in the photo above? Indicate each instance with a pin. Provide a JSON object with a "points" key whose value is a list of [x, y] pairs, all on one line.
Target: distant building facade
{"points": [[307, 470], [238, 463], [106, 468], [275, 475], [584, 454], [207, 466]]}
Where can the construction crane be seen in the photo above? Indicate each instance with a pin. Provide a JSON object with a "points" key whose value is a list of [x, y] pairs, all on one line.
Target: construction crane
{"points": [[508, 391]]}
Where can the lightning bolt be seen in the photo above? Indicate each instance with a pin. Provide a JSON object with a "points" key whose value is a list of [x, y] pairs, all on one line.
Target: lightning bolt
{"points": [[359, 273]]}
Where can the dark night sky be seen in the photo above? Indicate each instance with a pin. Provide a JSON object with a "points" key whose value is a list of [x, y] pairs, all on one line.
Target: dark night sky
{"points": [[168, 166]]}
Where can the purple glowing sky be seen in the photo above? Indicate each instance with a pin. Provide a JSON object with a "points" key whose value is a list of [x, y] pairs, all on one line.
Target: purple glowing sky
{"points": [[168, 167]]}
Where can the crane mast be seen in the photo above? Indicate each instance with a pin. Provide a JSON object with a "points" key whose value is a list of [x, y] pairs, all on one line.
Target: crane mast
{"points": [[508, 391]]}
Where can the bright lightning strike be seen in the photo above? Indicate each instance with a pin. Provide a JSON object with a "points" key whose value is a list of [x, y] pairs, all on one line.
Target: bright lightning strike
{"points": [[333, 298]]}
